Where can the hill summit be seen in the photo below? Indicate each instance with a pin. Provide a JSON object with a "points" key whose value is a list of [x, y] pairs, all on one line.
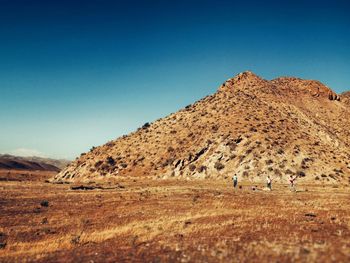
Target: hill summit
{"points": [[250, 127]]}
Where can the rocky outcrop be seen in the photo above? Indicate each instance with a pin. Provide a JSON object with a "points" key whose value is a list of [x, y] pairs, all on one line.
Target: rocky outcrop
{"points": [[311, 87]]}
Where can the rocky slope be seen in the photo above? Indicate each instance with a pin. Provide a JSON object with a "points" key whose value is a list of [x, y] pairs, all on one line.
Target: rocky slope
{"points": [[345, 97], [250, 126]]}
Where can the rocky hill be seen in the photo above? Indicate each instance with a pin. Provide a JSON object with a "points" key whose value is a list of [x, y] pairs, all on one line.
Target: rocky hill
{"points": [[10, 162], [250, 126]]}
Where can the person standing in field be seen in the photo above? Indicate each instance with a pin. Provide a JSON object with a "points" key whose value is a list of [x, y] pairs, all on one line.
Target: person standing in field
{"points": [[269, 182], [235, 181], [291, 182]]}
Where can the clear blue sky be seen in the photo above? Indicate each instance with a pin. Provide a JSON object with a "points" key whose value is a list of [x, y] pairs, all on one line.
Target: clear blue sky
{"points": [[74, 74]]}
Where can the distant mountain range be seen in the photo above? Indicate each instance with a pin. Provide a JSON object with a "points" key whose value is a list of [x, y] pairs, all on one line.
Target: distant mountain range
{"points": [[10, 162]]}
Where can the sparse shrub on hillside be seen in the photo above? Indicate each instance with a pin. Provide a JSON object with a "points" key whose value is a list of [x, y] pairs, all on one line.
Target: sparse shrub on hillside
{"points": [[249, 151], [332, 176], [168, 162], [146, 125], [289, 172], [232, 145], [303, 166], [110, 144], [170, 149], [275, 143], [238, 140], [219, 166], [301, 174], [278, 172], [192, 167], [98, 164], [280, 151], [110, 160], [201, 168], [232, 156], [269, 162], [253, 129], [92, 148], [123, 165], [215, 128], [305, 161], [104, 167], [296, 149]]}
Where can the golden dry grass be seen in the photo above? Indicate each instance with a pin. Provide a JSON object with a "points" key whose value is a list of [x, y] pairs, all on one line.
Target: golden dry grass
{"points": [[174, 220]]}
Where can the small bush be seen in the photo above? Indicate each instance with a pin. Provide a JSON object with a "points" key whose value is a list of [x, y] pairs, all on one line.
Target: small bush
{"points": [[192, 167], [146, 125], [288, 171], [215, 128], [219, 166], [268, 162], [201, 168], [110, 160], [170, 149], [301, 174], [124, 165], [168, 162], [44, 203]]}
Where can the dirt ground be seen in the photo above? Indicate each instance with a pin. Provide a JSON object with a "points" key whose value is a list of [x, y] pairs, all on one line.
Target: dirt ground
{"points": [[171, 221]]}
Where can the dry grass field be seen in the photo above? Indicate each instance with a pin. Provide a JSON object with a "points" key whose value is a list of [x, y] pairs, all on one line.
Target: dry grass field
{"points": [[173, 221]]}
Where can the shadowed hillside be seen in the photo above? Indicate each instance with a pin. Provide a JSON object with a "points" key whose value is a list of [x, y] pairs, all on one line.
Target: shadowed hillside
{"points": [[250, 126], [10, 162]]}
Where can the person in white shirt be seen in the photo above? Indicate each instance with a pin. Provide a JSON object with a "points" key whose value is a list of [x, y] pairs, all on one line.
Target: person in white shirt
{"points": [[235, 181], [269, 182]]}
